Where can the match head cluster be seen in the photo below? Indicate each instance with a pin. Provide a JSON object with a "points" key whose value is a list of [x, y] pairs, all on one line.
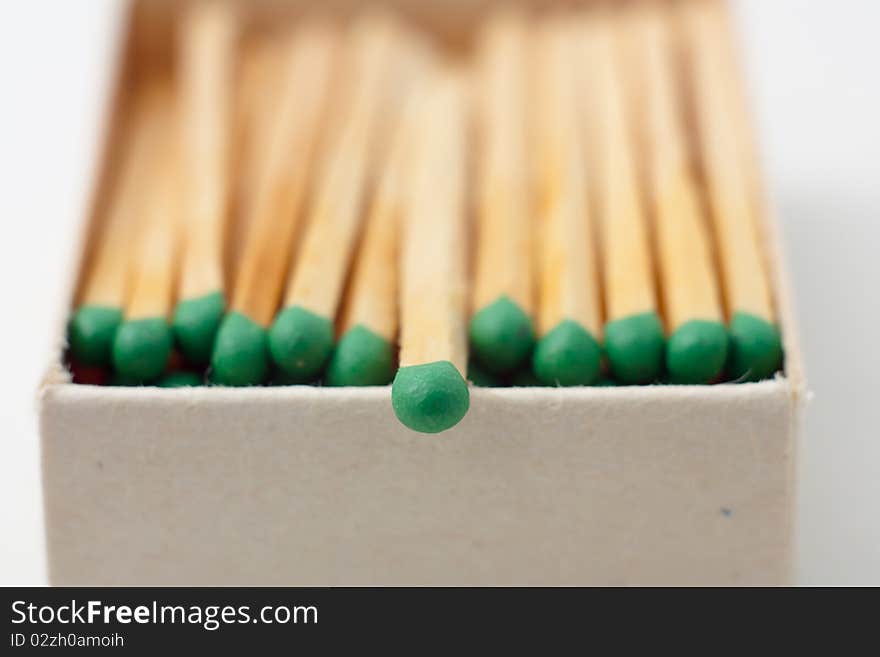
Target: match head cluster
{"points": [[399, 218]]}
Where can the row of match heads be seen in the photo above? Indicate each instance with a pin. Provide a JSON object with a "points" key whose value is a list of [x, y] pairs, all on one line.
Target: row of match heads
{"points": [[382, 302]]}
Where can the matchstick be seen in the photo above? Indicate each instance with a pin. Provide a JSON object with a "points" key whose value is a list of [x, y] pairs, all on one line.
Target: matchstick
{"points": [[365, 353], [302, 335], [720, 111], [634, 339], [102, 290], [696, 349], [257, 96], [207, 58], [241, 353], [501, 332], [429, 393], [143, 342], [569, 306]]}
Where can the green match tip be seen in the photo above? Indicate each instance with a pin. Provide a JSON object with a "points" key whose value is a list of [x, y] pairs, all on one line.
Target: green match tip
{"points": [[91, 332], [634, 346], [430, 398], [755, 348], [480, 377], [141, 348], [195, 325], [501, 336], [300, 342], [180, 379], [696, 351], [568, 355], [362, 358], [240, 356]]}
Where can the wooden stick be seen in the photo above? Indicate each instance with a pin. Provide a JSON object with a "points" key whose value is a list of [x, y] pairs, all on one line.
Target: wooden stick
{"points": [[365, 354], [429, 393], [301, 338], [207, 59], [261, 65], [569, 311], [634, 340], [728, 166], [143, 342], [240, 355], [501, 331], [739, 112], [151, 292], [697, 346], [102, 293]]}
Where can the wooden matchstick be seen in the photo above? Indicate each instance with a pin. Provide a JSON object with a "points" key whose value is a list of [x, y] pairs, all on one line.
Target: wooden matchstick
{"points": [[257, 97], [302, 335], [697, 345], [206, 70], [634, 339], [728, 167], [241, 353], [429, 393], [569, 305], [365, 352], [143, 342], [501, 332], [101, 296]]}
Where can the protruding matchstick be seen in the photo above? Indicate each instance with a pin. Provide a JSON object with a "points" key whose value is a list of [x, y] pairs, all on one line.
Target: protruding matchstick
{"points": [[501, 332], [365, 353], [302, 335], [103, 288], [241, 352], [429, 393], [727, 161], [569, 305], [144, 340], [696, 349], [207, 58], [634, 339]]}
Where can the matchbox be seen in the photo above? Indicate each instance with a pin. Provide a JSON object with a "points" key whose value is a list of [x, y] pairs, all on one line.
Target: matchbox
{"points": [[306, 485]]}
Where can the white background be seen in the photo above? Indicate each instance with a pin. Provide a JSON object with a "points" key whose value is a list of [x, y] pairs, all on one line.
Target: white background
{"points": [[813, 66]]}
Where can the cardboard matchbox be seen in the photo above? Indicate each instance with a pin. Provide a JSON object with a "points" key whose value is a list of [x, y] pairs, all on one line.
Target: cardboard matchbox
{"points": [[317, 486]]}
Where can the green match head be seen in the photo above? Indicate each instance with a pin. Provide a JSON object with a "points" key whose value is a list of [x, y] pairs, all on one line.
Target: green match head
{"points": [[755, 348], [300, 342], [195, 325], [568, 355], [634, 346], [480, 377], [240, 356], [501, 336], [141, 348], [430, 398], [91, 331], [361, 358], [696, 351], [180, 379]]}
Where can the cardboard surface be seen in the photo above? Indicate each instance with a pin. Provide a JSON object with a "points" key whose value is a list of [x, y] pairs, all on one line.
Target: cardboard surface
{"points": [[315, 486]]}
